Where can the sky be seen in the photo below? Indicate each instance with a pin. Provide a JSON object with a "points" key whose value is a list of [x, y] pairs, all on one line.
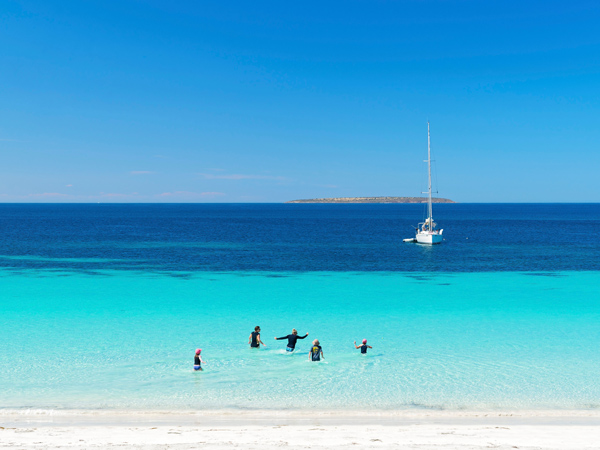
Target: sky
{"points": [[269, 101]]}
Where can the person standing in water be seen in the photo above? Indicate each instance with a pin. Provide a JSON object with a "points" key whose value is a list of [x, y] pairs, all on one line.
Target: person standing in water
{"points": [[316, 352], [198, 360], [254, 339], [363, 347], [292, 338]]}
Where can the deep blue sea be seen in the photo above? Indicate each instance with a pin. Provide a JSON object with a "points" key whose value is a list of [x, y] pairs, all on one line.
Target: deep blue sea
{"points": [[103, 305]]}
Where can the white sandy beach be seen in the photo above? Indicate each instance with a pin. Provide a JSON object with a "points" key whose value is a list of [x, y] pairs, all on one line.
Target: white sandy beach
{"points": [[260, 430]]}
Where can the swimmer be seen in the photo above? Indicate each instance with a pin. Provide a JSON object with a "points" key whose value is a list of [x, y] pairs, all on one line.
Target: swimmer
{"points": [[292, 338], [363, 347], [198, 360], [316, 352], [254, 339]]}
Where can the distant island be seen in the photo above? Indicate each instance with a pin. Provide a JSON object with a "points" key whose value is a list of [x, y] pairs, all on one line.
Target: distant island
{"points": [[372, 200]]}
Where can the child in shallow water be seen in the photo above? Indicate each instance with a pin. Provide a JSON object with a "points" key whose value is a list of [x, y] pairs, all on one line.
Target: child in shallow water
{"points": [[198, 360], [363, 347], [316, 352]]}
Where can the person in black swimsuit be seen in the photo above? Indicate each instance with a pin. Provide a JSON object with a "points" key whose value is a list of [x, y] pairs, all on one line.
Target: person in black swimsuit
{"points": [[254, 339], [198, 360], [292, 338], [363, 347]]}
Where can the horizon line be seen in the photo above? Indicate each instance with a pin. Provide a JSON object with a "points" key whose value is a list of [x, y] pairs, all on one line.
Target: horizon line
{"points": [[288, 202]]}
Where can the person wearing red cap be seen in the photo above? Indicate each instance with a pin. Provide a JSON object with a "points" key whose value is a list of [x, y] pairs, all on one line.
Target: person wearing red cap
{"points": [[363, 347], [198, 360]]}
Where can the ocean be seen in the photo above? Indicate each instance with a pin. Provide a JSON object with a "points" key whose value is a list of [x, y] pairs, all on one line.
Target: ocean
{"points": [[103, 305]]}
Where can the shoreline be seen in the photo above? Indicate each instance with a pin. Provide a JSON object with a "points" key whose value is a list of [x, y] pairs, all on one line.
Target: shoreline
{"points": [[262, 417]]}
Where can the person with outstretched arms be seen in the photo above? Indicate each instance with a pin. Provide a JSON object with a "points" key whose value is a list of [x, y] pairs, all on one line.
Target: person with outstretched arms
{"points": [[292, 338]]}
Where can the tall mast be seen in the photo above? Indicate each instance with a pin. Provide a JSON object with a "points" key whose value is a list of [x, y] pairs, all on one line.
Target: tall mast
{"points": [[429, 173]]}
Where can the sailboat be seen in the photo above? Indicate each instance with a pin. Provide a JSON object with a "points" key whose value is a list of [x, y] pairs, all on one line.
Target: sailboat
{"points": [[426, 231]]}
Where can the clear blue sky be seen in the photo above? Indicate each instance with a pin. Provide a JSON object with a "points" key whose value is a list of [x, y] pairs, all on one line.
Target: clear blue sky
{"points": [[178, 101]]}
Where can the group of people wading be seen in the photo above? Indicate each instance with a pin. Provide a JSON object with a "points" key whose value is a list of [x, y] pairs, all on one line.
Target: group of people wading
{"points": [[315, 353]]}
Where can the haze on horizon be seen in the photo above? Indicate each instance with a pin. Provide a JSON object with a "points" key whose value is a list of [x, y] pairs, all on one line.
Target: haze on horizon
{"points": [[155, 101]]}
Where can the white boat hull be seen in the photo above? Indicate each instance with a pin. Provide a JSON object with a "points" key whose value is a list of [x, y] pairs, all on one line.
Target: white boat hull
{"points": [[429, 238]]}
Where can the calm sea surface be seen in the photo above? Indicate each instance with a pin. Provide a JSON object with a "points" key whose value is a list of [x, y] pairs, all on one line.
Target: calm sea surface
{"points": [[102, 306]]}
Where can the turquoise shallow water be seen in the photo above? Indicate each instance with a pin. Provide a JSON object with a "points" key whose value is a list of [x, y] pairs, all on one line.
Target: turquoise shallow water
{"points": [[125, 339]]}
